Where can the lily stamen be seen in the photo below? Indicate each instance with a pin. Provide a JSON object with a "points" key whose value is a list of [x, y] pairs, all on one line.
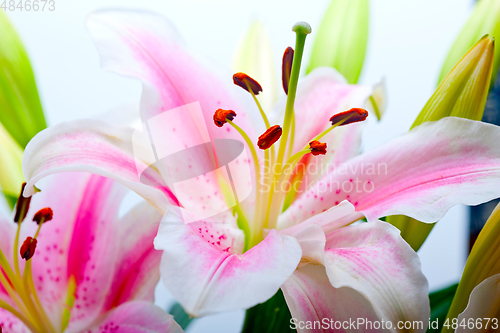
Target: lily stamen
{"points": [[221, 116], [254, 88], [246, 82], [343, 118], [20, 287], [286, 68], [269, 137], [350, 116], [22, 206], [28, 248], [317, 148]]}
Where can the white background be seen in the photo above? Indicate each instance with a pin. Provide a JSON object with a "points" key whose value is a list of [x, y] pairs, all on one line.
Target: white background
{"points": [[408, 42]]}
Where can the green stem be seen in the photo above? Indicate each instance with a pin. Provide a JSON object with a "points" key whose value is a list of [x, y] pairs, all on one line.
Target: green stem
{"points": [[301, 30], [256, 166], [292, 91], [262, 113]]}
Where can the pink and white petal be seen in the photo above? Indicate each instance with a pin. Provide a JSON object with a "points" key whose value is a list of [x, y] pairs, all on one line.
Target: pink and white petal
{"points": [[136, 317], [312, 241], [137, 263], [420, 174], [146, 46], [7, 235], [311, 298], [205, 277], [483, 303], [78, 241], [374, 260], [333, 218], [98, 147], [11, 324], [79, 201]]}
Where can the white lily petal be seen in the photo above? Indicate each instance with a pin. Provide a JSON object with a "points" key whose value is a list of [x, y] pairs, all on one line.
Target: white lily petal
{"points": [[374, 260], [311, 298], [484, 302]]}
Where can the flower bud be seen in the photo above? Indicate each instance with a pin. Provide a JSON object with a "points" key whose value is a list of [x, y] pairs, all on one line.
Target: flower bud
{"points": [[342, 38], [485, 19]]}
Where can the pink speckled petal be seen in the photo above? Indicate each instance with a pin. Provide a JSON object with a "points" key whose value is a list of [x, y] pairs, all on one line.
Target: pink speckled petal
{"points": [[146, 46], [483, 303], [137, 262], [10, 323], [94, 146], [419, 174], [336, 217], [78, 241], [374, 260], [137, 317], [7, 234], [210, 276], [310, 297]]}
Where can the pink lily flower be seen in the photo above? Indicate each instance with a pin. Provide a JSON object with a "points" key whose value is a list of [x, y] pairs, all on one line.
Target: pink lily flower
{"points": [[91, 271], [325, 266]]}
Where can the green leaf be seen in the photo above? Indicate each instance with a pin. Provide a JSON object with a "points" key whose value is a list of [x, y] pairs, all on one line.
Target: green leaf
{"points": [[485, 19], [342, 38], [272, 316], [22, 114], [11, 175], [483, 262], [462, 93], [440, 302], [414, 232], [180, 316]]}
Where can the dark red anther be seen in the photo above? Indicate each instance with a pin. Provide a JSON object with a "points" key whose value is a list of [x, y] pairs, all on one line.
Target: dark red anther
{"points": [[246, 82], [350, 116], [45, 214], [221, 115], [22, 206], [269, 137], [286, 68], [317, 148], [28, 248]]}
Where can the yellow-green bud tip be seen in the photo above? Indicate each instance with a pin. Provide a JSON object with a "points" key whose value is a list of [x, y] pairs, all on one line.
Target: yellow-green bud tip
{"points": [[302, 28]]}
